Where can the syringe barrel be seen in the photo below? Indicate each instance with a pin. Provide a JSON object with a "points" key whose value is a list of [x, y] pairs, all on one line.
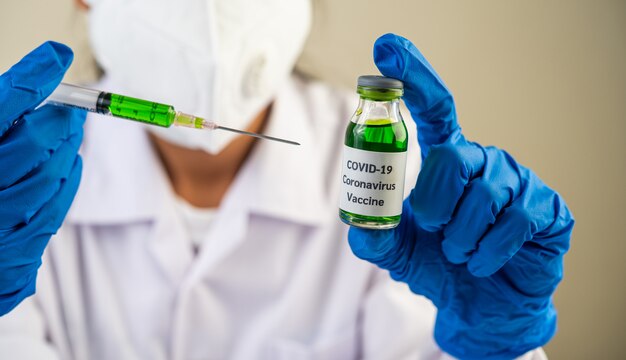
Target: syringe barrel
{"points": [[75, 96]]}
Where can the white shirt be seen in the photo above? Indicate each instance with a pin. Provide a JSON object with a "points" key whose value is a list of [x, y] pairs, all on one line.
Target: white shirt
{"points": [[197, 221], [274, 279]]}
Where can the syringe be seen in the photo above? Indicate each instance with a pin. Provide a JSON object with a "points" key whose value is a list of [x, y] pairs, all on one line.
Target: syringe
{"points": [[131, 108]]}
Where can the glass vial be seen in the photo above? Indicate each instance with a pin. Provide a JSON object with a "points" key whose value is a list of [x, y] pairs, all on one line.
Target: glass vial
{"points": [[374, 157]]}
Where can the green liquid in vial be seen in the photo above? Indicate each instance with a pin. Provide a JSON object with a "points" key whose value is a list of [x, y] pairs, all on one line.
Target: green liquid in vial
{"points": [[379, 135], [142, 110]]}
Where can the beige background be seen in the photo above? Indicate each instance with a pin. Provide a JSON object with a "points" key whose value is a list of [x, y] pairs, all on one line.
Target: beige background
{"points": [[544, 79]]}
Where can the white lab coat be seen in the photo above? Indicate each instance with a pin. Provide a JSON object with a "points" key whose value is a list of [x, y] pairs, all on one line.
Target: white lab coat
{"points": [[275, 278]]}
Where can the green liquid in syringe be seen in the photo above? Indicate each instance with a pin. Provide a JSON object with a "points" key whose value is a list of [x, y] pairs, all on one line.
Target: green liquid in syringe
{"points": [[139, 110]]}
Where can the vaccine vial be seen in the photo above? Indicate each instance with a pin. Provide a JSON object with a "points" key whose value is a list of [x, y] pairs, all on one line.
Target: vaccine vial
{"points": [[374, 156]]}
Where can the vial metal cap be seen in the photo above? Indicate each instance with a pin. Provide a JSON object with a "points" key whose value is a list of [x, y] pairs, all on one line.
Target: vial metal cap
{"points": [[381, 82]]}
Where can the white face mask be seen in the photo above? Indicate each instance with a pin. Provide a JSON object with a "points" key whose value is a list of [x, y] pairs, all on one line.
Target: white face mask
{"points": [[222, 60]]}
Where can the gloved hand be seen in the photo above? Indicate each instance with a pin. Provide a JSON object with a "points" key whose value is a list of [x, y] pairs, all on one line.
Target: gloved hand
{"points": [[481, 236], [39, 166]]}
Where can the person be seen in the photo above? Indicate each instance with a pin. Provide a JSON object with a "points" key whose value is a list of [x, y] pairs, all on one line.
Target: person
{"points": [[182, 244]]}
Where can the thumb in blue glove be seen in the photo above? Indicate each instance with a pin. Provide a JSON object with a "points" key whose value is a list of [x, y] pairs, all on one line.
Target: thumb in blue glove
{"points": [[39, 164], [481, 236]]}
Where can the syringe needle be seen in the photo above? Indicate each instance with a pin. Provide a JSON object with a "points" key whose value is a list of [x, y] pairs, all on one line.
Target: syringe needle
{"points": [[266, 137]]}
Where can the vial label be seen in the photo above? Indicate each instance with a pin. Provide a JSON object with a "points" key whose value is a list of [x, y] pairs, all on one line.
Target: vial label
{"points": [[372, 183]]}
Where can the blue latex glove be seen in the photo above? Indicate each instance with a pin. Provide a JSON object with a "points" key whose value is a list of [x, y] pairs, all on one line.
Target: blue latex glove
{"points": [[39, 164], [481, 236]]}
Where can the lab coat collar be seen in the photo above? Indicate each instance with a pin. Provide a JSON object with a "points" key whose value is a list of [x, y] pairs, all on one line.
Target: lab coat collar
{"points": [[124, 181], [288, 181]]}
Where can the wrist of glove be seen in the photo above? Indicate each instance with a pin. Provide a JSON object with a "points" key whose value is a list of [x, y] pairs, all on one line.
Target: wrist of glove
{"points": [[480, 235], [496, 337]]}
